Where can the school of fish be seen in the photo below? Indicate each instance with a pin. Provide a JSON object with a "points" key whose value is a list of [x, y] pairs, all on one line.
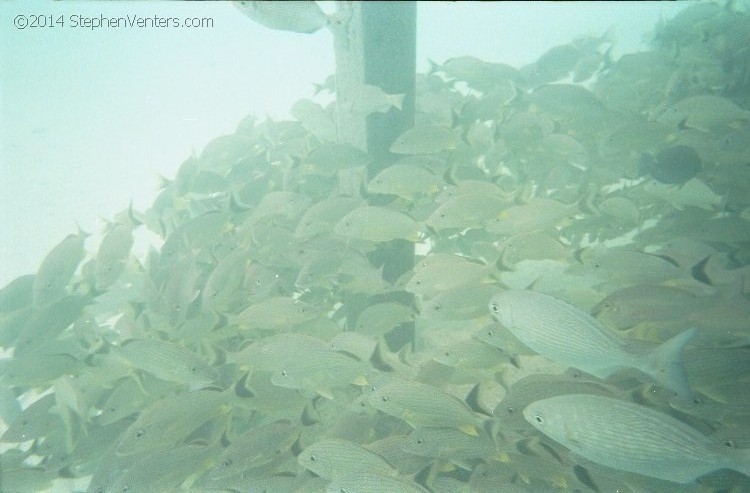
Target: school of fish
{"points": [[546, 290]]}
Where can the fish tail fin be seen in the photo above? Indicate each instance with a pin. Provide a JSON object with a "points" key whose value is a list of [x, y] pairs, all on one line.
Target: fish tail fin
{"points": [[434, 67], [132, 217], [665, 364], [83, 234], [163, 182]]}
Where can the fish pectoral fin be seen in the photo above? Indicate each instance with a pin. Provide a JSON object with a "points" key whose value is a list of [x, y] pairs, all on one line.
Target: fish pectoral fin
{"points": [[570, 436], [360, 381], [469, 430], [325, 392]]}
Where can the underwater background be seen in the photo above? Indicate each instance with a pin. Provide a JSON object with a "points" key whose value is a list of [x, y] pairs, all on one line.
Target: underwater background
{"points": [[91, 117], [542, 287]]}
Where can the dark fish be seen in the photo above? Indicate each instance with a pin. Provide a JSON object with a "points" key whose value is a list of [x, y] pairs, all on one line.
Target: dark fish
{"points": [[673, 165]]}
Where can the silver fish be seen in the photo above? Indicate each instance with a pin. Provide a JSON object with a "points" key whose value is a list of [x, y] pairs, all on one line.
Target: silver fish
{"points": [[563, 333], [168, 361], [337, 459], [630, 437], [160, 426], [112, 255], [58, 268], [294, 16]]}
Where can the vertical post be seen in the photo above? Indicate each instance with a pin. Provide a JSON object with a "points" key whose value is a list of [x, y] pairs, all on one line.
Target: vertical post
{"points": [[375, 44], [348, 43], [390, 51]]}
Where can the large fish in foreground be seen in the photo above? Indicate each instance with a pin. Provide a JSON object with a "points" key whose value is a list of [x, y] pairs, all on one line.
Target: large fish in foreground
{"points": [[563, 333], [629, 437]]}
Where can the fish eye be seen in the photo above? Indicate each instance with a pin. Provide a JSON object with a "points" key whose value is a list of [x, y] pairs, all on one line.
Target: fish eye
{"points": [[384, 399], [510, 410], [495, 309], [283, 373], [539, 419], [729, 443], [313, 458], [420, 441], [139, 434], [193, 369]]}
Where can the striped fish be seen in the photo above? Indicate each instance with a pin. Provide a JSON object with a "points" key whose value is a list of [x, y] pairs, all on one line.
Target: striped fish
{"points": [[629, 437], [563, 333]]}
